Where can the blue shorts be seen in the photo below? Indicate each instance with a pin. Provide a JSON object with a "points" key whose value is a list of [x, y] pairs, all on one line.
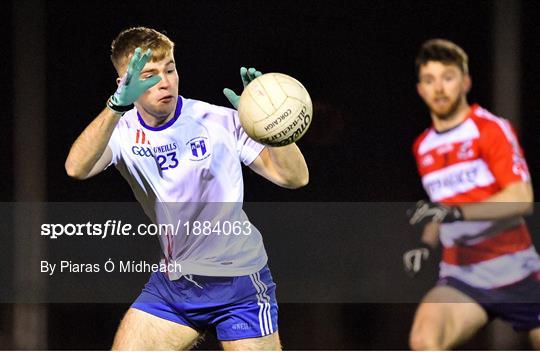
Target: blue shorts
{"points": [[233, 308], [518, 303]]}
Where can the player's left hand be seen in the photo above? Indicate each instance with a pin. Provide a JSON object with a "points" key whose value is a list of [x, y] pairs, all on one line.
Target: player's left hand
{"points": [[247, 76], [413, 259], [426, 212]]}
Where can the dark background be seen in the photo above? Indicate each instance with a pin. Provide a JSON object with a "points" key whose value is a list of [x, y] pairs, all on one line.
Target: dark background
{"points": [[356, 58]]}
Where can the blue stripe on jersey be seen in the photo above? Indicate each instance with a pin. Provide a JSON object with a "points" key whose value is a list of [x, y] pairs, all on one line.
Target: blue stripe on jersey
{"points": [[169, 123]]}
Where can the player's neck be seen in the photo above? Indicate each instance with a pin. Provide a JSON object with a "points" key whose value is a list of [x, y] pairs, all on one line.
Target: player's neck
{"points": [[451, 121], [155, 121]]}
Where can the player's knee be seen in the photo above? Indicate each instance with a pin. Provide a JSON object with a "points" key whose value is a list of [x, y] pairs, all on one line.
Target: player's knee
{"points": [[534, 338], [423, 341]]}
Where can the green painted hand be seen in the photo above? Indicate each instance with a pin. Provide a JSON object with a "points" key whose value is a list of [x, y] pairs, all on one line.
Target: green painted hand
{"points": [[247, 76], [131, 87]]}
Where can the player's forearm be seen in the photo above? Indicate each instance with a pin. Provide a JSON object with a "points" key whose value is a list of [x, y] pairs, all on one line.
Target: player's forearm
{"points": [[515, 200], [430, 234], [90, 145], [290, 164]]}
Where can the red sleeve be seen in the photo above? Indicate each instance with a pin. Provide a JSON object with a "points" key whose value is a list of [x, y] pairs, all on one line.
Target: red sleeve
{"points": [[416, 146], [501, 151]]}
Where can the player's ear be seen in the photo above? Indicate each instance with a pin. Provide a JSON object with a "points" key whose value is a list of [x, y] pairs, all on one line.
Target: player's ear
{"points": [[120, 71], [119, 77], [419, 89], [467, 83]]}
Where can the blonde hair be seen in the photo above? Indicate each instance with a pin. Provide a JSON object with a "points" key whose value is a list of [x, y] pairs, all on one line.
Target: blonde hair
{"points": [[145, 38]]}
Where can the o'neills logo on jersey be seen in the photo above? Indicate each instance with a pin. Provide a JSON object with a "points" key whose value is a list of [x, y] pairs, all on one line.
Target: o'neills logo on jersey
{"points": [[199, 148], [457, 179], [427, 160], [165, 148]]}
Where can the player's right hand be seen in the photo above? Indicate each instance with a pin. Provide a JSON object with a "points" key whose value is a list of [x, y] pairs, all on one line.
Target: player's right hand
{"points": [[425, 212], [131, 86], [247, 75], [413, 259]]}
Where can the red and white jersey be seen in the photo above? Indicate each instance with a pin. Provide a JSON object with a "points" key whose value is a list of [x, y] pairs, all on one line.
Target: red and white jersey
{"points": [[470, 163]]}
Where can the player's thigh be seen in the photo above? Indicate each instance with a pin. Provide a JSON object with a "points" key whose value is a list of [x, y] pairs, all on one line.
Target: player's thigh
{"points": [[266, 343], [534, 337], [143, 331], [445, 318]]}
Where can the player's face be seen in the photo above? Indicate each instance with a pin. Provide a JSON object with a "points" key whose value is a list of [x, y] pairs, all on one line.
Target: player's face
{"points": [[160, 100], [443, 87]]}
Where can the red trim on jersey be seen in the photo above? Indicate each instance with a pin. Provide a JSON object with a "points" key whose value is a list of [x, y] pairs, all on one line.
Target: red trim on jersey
{"points": [[416, 145], [507, 242]]}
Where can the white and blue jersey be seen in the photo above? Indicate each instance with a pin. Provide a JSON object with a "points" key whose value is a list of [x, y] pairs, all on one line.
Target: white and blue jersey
{"points": [[188, 172]]}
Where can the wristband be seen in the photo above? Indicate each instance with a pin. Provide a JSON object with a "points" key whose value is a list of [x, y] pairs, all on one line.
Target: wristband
{"points": [[118, 108]]}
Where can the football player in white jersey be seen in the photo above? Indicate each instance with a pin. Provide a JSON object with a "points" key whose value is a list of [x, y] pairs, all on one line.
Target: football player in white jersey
{"points": [[183, 157], [474, 172]]}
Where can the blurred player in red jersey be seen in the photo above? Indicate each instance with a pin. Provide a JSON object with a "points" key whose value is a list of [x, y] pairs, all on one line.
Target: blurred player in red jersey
{"points": [[473, 170]]}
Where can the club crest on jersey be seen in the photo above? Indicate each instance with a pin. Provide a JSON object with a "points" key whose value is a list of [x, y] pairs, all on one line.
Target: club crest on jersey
{"points": [[199, 148], [466, 150]]}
